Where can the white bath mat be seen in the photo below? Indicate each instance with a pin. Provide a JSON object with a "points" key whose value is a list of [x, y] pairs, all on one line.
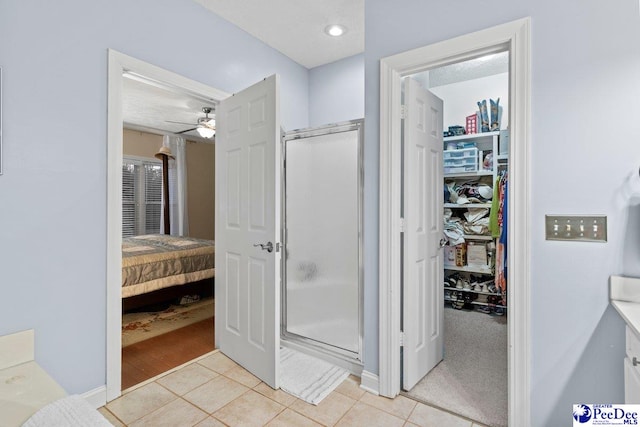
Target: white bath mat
{"points": [[308, 378]]}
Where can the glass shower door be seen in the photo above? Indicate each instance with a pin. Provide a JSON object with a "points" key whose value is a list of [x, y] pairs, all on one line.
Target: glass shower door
{"points": [[322, 203]]}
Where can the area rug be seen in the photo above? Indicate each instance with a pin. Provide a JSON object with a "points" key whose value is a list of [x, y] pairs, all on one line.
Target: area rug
{"points": [[138, 327], [472, 379], [308, 378]]}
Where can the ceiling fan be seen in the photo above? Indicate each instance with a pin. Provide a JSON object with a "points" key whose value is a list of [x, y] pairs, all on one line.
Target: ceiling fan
{"points": [[205, 126]]}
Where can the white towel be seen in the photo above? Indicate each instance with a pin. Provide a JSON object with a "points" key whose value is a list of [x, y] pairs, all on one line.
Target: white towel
{"points": [[70, 411]]}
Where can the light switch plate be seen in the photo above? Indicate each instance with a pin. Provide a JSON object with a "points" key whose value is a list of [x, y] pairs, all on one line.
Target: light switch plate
{"points": [[591, 228]]}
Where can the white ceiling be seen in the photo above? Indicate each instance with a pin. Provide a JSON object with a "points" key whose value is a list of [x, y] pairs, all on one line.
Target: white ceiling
{"points": [[150, 107], [296, 27], [293, 27]]}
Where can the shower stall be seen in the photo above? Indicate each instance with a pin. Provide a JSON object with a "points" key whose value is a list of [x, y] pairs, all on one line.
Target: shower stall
{"points": [[322, 293]]}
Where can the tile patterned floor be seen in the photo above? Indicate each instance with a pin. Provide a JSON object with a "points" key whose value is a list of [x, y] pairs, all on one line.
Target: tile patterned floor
{"points": [[215, 391]]}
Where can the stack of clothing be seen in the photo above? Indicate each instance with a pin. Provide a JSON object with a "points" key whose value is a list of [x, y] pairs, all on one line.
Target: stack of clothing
{"points": [[472, 220], [472, 191]]}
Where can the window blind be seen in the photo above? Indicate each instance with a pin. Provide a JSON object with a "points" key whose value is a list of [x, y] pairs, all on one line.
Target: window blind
{"points": [[141, 196]]}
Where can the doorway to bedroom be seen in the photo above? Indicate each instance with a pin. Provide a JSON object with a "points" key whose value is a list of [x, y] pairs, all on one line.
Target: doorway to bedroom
{"points": [[164, 154], [167, 265], [168, 242], [248, 223]]}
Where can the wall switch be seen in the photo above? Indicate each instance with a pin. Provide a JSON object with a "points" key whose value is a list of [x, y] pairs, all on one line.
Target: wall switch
{"points": [[574, 227]]}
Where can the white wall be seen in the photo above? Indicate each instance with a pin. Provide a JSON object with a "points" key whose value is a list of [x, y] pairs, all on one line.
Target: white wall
{"points": [[336, 91], [53, 191], [460, 99], [585, 99]]}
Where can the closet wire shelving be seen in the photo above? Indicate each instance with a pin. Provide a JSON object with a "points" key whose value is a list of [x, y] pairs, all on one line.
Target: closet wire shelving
{"points": [[489, 142]]}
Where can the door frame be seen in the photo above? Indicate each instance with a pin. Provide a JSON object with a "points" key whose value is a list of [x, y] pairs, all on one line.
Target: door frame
{"points": [[119, 64], [514, 37]]}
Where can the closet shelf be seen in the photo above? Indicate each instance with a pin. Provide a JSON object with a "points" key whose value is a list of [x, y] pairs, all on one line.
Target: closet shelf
{"points": [[471, 290], [471, 136], [477, 237], [465, 174], [477, 303], [469, 269], [467, 205]]}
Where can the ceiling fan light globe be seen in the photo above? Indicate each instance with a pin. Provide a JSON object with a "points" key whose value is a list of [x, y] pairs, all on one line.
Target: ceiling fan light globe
{"points": [[205, 132]]}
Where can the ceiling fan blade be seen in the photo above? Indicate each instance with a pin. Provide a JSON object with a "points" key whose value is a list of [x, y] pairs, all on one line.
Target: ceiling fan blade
{"points": [[185, 131]]}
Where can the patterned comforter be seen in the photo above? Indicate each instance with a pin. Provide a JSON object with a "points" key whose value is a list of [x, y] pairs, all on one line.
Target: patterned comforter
{"points": [[157, 261]]}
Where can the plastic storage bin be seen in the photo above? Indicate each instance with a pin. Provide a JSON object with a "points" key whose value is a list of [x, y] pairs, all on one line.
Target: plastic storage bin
{"points": [[461, 161]]}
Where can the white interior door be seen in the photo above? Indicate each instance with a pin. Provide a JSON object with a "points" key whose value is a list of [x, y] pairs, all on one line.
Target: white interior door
{"points": [[423, 299], [247, 216]]}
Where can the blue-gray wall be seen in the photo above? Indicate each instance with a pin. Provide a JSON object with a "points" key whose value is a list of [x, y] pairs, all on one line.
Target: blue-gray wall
{"points": [[585, 133], [585, 94], [336, 91], [53, 192]]}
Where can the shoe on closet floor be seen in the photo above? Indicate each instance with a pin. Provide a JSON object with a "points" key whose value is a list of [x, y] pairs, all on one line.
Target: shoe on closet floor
{"points": [[498, 311]]}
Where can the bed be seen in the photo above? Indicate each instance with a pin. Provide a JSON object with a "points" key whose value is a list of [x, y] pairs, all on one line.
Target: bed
{"points": [[154, 262]]}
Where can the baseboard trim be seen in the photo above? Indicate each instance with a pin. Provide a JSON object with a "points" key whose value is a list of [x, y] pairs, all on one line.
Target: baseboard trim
{"points": [[370, 382], [96, 397]]}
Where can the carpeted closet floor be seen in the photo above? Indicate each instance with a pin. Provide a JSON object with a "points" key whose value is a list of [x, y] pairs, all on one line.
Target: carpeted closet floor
{"points": [[472, 379]]}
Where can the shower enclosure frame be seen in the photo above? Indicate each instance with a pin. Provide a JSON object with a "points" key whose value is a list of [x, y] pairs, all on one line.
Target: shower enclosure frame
{"points": [[353, 359]]}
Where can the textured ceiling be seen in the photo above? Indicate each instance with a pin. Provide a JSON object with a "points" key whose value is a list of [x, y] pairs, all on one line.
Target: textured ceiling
{"points": [[150, 107], [489, 65], [296, 27]]}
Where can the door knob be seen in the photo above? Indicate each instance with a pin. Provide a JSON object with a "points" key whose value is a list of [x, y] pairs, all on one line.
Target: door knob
{"points": [[265, 246], [443, 242]]}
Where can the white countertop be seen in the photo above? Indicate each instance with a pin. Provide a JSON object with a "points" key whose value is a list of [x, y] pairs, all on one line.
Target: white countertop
{"points": [[24, 386], [24, 389], [630, 312], [625, 298]]}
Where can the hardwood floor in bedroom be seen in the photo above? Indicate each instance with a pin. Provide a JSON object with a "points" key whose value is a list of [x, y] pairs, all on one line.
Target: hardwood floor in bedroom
{"points": [[149, 358]]}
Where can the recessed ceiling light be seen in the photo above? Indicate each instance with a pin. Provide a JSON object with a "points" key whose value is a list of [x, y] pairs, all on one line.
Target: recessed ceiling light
{"points": [[335, 30]]}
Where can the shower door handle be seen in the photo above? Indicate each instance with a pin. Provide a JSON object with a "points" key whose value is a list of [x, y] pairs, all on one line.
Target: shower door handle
{"points": [[265, 247]]}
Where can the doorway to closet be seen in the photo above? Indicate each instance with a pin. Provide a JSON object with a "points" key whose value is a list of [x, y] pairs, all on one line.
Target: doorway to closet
{"points": [[455, 291], [513, 37]]}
